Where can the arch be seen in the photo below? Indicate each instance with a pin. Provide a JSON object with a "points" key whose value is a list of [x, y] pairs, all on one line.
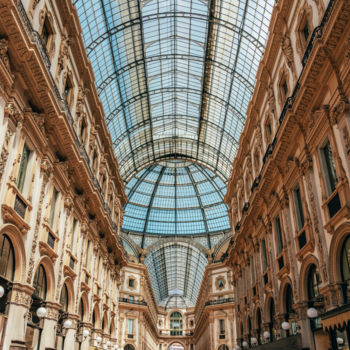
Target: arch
{"points": [[129, 347], [83, 307], [64, 298], [304, 271], [313, 282], [112, 329], [223, 347], [95, 317], [282, 294], [70, 287], [266, 313], [46, 262], [40, 283], [16, 239], [338, 239], [176, 346], [104, 324], [7, 258]]}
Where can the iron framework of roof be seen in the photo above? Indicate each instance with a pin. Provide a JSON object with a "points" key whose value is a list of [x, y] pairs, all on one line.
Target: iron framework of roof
{"points": [[176, 269], [175, 76]]}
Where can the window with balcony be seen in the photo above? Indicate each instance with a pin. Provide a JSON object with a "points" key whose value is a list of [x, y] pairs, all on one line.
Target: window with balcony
{"points": [[176, 323]]}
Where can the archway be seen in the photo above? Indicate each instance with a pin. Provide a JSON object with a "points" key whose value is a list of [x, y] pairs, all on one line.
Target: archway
{"points": [[129, 347], [223, 347], [176, 346]]}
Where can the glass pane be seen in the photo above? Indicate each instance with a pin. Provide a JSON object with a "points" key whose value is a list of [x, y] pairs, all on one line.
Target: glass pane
{"points": [[345, 260], [331, 175]]}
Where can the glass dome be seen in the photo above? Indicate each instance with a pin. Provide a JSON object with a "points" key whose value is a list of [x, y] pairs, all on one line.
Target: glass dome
{"points": [[176, 197]]}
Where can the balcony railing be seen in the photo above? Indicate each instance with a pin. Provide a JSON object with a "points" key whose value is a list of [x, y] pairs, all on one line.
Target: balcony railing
{"points": [[130, 301], [219, 301]]}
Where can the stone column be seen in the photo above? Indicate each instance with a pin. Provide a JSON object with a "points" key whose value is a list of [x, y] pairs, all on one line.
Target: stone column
{"points": [[70, 337], [304, 323], [85, 342], [48, 335], [19, 304]]}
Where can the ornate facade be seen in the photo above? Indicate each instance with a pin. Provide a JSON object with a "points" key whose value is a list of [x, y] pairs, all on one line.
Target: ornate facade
{"points": [[72, 278], [289, 190]]}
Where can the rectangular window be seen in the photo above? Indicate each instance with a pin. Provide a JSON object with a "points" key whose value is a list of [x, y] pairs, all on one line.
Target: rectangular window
{"points": [[131, 282], [87, 253], [72, 238], [222, 326], [53, 207], [45, 32], [299, 212], [329, 168], [131, 299], [263, 252], [279, 240], [23, 168], [306, 31], [252, 269], [130, 326]]}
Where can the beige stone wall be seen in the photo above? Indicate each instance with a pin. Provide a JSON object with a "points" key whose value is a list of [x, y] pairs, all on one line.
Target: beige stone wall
{"points": [[271, 167], [61, 209]]}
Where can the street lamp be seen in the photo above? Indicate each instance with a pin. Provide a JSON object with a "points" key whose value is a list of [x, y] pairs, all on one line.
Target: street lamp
{"points": [[41, 312], [67, 324], [285, 325], [254, 341], [2, 291], [312, 312], [267, 335]]}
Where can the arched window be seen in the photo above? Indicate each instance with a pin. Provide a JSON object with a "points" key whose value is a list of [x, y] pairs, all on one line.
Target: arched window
{"points": [[81, 309], [7, 258], [223, 347], [129, 347], [176, 323], [345, 260], [40, 283], [289, 300], [64, 298], [94, 319], [313, 283]]}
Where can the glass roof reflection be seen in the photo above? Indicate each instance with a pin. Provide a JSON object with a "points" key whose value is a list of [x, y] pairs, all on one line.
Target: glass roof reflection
{"points": [[175, 198], [175, 76]]}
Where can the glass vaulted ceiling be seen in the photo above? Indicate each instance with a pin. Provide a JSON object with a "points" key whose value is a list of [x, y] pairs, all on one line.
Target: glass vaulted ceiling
{"points": [[175, 76], [175, 197]]}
